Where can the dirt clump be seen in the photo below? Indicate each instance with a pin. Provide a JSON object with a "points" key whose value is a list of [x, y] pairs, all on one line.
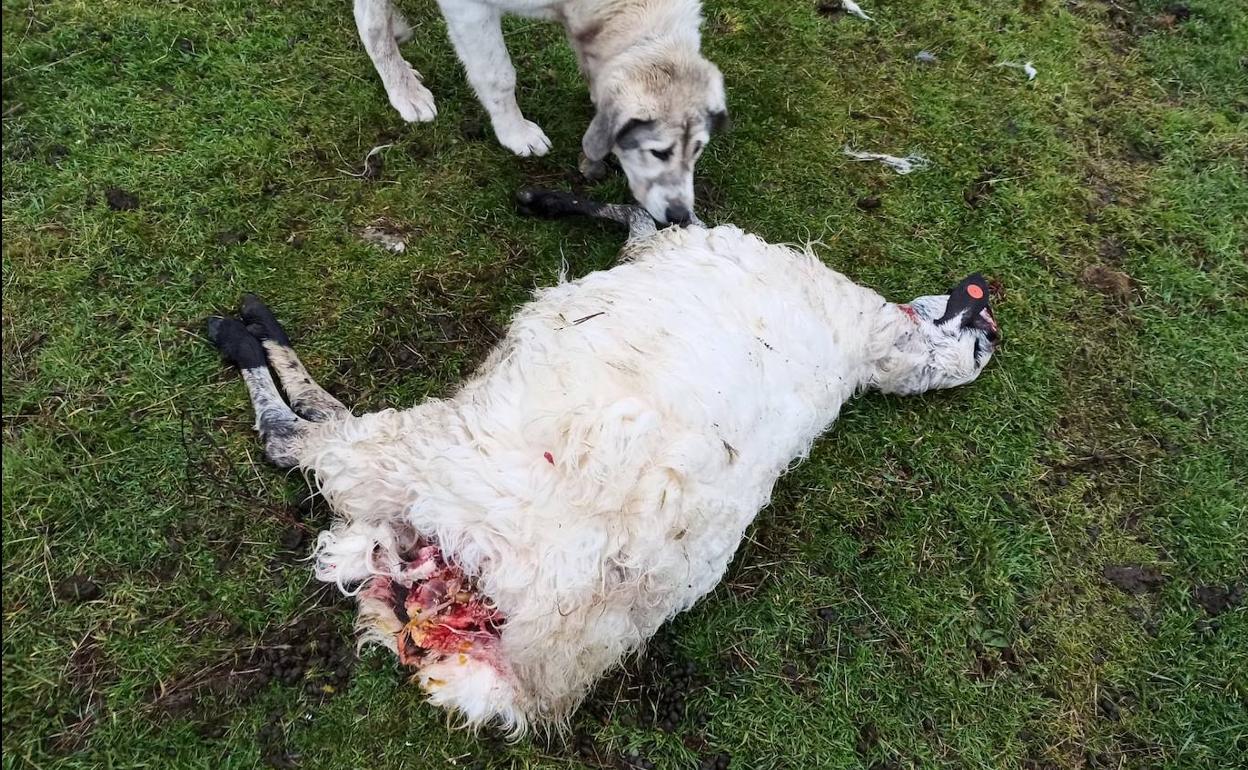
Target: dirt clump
{"points": [[980, 189], [1112, 283], [120, 200], [831, 9], [230, 238], [1134, 579], [1218, 599], [78, 588]]}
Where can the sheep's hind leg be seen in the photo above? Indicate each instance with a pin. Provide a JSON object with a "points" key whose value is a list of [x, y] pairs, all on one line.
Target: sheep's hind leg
{"points": [[554, 204], [281, 429], [309, 400]]}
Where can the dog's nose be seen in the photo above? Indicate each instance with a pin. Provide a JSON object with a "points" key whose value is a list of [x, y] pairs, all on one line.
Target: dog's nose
{"points": [[678, 214]]}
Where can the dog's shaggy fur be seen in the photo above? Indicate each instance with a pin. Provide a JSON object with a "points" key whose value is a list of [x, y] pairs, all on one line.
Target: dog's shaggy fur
{"points": [[657, 99], [597, 473]]}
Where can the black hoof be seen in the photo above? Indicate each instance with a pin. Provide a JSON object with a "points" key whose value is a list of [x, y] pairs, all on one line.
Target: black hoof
{"points": [[235, 343], [528, 201], [551, 204], [261, 322]]}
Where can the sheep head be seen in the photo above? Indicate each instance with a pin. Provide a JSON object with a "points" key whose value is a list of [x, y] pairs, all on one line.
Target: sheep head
{"points": [[937, 341]]}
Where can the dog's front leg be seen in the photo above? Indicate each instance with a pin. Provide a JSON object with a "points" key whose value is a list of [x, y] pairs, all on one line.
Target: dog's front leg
{"points": [[476, 31], [380, 26]]}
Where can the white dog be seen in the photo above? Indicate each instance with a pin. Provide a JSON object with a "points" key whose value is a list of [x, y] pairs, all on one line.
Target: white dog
{"points": [[657, 100], [513, 542]]}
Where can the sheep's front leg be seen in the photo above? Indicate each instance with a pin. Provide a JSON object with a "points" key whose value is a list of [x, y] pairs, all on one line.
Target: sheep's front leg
{"points": [[476, 30], [308, 399], [280, 428], [554, 204]]}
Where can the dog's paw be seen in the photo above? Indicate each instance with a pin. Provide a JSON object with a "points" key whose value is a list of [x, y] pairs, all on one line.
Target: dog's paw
{"points": [[413, 101], [524, 138]]}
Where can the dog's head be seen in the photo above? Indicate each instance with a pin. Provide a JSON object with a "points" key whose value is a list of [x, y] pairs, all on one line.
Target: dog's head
{"points": [[657, 116]]}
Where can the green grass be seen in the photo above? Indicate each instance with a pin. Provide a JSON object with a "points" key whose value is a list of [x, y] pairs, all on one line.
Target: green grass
{"points": [[955, 542]]}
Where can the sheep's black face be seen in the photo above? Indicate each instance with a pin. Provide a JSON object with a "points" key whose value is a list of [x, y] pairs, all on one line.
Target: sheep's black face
{"points": [[961, 332]]}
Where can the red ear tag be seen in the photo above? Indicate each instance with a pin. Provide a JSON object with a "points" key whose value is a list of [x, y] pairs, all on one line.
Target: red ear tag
{"points": [[549, 457], [975, 292]]}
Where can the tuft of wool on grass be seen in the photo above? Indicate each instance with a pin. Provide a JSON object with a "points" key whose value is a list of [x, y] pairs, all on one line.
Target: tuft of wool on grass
{"points": [[853, 9], [903, 166], [1027, 67], [379, 234]]}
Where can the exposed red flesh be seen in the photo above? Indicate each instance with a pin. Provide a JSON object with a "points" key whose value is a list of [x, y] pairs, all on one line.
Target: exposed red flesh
{"points": [[440, 609]]}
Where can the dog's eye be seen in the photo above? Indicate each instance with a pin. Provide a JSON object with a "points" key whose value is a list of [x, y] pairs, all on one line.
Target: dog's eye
{"points": [[697, 149], [662, 154]]}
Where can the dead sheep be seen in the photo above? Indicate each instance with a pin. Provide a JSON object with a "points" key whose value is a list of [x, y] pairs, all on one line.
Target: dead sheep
{"points": [[511, 543]]}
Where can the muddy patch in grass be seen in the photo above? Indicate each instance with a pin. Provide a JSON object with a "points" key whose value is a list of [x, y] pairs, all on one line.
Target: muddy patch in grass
{"points": [[665, 682], [315, 652], [274, 748], [830, 9], [77, 589], [443, 329], [660, 691], [1218, 599], [1134, 579], [88, 675], [1113, 284], [118, 199], [447, 334], [977, 192], [990, 662]]}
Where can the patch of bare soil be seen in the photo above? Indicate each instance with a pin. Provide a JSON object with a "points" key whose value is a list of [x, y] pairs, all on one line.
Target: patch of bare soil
{"points": [[1135, 579], [1218, 599], [77, 589], [1114, 284], [118, 199], [88, 676], [315, 653], [982, 187], [654, 691]]}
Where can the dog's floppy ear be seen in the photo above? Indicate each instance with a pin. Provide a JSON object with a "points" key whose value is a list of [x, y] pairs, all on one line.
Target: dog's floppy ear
{"points": [[600, 136], [606, 132], [717, 102]]}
